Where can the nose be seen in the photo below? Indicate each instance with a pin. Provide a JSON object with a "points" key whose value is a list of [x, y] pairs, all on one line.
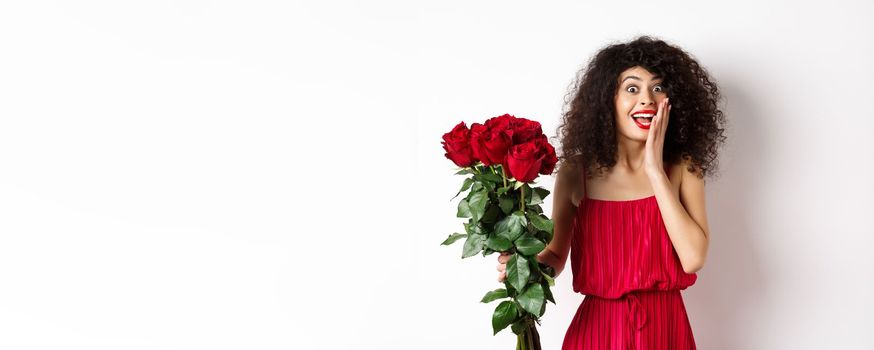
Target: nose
{"points": [[647, 99]]}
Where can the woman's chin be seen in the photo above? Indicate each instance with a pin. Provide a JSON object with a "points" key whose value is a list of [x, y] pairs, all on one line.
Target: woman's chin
{"points": [[638, 137]]}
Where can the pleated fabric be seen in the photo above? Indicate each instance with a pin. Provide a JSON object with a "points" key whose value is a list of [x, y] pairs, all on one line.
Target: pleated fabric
{"points": [[623, 260]]}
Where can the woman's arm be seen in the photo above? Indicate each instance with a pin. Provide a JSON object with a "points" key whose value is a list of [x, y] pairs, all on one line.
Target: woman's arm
{"points": [[685, 217], [567, 181]]}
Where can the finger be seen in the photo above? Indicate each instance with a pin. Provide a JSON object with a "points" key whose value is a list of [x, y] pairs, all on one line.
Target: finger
{"points": [[650, 131], [667, 112], [661, 112], [664, 122], [657, 121]]}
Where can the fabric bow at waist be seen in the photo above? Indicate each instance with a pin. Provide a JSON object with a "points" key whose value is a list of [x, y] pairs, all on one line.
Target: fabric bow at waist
{"points": [[636, 317]]}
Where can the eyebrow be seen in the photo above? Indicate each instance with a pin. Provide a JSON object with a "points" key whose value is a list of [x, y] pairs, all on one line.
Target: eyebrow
{"points": [[635, 77]]}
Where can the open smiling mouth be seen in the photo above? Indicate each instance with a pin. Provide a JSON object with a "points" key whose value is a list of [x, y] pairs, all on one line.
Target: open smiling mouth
{"points": [[643, 120]]}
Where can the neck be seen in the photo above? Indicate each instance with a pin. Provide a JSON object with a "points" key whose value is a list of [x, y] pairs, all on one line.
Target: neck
{"points": [[630, 154]]}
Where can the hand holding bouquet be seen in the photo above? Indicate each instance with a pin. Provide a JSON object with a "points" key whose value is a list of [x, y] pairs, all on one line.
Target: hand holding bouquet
{"points": [[503, 157]]}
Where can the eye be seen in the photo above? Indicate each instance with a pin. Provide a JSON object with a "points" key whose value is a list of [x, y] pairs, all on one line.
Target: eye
{"points": [[659, 87], [631, 87]]}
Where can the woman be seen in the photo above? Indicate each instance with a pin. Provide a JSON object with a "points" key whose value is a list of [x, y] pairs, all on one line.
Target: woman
{"points": [[628, 201]]}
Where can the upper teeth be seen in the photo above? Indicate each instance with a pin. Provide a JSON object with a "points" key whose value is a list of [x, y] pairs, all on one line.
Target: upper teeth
{"points": [[643, 115]]}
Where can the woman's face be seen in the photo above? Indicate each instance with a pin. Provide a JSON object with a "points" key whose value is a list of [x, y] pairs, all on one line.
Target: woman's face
{"points": [[639, 92]]}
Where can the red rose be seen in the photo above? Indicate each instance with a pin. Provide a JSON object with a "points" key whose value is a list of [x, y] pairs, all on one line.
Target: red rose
{"points": [[490, 145], [501, 123], [549, 158], [457, 146], [525, 130], [524, 161]]}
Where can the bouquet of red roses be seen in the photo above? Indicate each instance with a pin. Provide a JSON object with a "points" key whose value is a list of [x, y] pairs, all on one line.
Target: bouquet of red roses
{"points": [[502, 158]]}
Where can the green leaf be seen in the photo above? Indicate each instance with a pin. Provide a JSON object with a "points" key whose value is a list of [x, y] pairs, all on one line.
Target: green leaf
{"points": [[464, 187], [489, 186], [547, 293], [519, 326], [473, 245], [472, 228], [498, 243], [463, 209], [506, 204], [477, 204], [490, 177], [502, 190], [518, 184], [532, 299], [544, 236], [453, 237], [529, 245], [510, 227], [504, 315], [496, 294], [518, 271], [521, 217], [541, 192], [491, 214], [476, 187], [533, 198], [536, 209], [549, 279], [541, 223], [464, 171]]}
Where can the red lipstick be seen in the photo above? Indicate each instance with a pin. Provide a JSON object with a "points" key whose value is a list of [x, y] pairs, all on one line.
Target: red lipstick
{"points": [[637, 120], [642, 126], [647, 111]]}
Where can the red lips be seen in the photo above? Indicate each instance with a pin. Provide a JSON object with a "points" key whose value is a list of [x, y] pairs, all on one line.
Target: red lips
{"points": [[644, 111]]}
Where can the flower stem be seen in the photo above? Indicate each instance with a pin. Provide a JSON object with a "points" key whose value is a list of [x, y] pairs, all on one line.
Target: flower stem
{"points": [[530, 334], [522, 202], [504, 175]]}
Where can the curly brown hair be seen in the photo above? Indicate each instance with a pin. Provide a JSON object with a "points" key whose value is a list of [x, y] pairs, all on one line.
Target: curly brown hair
{"points": [[588, 132]]}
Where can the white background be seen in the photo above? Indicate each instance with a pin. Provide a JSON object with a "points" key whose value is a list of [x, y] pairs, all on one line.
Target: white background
{"points": [[268, 175]]}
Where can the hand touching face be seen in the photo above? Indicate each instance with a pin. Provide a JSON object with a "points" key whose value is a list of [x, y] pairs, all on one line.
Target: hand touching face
{"points": [[655, 140]]}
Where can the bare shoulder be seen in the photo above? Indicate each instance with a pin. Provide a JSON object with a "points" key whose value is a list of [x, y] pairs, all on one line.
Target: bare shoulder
{"points": [[690, 173], [691, 186], [569, 182], [692, 195]]}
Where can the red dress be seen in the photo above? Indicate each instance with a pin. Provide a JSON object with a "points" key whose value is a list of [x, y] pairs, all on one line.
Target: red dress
{"points": [[623, 261]]}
